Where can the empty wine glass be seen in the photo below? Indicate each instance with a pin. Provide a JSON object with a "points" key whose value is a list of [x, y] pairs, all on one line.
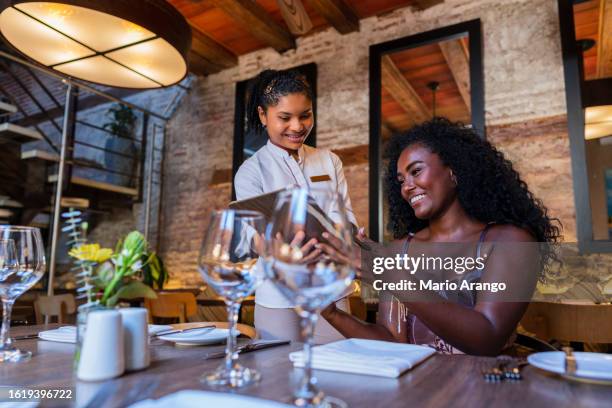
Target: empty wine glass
{"points": [[22, 264], [228, 263], [312, 283]]}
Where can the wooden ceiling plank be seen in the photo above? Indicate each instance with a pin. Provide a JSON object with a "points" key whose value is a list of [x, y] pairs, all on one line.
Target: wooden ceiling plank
{"points": [[425, 4], [208, 48], [387, 130], [604, 47], [252, 17], [401, 90], [295, 16], [338, 14], [459, 65], [200, 65]]}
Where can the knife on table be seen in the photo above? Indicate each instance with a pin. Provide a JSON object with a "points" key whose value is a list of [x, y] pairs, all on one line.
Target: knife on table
{"points": [[247, 348]]}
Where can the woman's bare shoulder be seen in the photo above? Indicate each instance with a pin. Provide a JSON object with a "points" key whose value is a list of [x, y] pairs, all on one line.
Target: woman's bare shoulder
{"points": [[510, 233]]}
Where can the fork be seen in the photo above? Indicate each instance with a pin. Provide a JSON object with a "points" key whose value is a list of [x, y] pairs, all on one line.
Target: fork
{"points": [[506, 368]]}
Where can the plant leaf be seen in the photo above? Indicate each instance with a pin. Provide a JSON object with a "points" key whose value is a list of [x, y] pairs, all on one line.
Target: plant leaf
{"points": [[134, 289]]}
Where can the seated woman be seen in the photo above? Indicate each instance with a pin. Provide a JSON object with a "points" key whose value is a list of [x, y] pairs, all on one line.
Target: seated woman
{"points": [[446, 185]]}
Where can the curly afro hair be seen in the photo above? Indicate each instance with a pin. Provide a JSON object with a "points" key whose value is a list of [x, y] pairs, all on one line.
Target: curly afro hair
{"points": [[488, 187]]}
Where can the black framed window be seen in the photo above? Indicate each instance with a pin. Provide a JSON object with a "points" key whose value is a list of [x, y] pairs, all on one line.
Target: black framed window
{"points": [[588, 90]]}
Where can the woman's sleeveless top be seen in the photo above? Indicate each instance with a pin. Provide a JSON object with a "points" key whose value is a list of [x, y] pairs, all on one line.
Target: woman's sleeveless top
{"points": [[415, 330]]}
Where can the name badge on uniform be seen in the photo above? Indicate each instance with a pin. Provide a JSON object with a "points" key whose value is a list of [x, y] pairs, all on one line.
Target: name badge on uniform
{"points": [[317, 179]]}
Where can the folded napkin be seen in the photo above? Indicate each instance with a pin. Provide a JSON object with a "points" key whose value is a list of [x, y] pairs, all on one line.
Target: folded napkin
{"points": [[67, 334], [370, 357], [197, 399]]}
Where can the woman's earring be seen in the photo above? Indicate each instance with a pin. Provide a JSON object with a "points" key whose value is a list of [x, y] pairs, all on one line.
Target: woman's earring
{"points": [[453, 177]]}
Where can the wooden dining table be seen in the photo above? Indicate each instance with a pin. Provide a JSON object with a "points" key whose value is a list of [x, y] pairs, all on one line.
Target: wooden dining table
{"points": [[441, 381]]}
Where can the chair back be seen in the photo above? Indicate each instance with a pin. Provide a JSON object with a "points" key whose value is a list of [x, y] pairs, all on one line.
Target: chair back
{"points": [[244, 329], [59, 306], [579, 322], [179, 305]]}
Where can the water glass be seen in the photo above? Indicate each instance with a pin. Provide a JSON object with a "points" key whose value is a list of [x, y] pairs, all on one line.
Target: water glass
{"points": [[228, 263], [311, 280], [22, 264]]}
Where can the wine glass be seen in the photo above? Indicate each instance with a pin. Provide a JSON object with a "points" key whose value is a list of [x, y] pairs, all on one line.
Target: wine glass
{"points": [[228, 263], [22, 264], [312, 283]]}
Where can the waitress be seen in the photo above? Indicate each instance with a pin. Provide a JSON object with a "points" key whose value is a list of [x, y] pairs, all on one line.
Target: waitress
{"points": [[280, 108]]}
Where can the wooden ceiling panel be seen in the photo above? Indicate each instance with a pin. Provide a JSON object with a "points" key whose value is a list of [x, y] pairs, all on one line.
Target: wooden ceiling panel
{"points": [[190, 8], [222, 29], [604, 46], [586, 22], [369, 8], [254, 18], [338, 14], [244, 26], [318, 22], [459, 65], [420, 66]]}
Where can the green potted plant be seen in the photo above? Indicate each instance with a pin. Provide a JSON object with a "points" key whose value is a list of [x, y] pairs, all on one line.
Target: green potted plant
{"points": [[122, 124]]}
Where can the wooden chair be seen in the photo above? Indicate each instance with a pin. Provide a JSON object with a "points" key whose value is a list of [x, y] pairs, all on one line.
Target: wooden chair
{"points": [[567, 321], [244, 329], [178, 305], [59, 306]]}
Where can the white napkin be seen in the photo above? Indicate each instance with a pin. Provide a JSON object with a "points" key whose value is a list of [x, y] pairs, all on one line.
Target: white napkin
{"points": [[370, 357], [198, 399], [67, 334]]}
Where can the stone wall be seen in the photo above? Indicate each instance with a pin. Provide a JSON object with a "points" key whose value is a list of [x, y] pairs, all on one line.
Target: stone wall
{"points": [[524, 102]]}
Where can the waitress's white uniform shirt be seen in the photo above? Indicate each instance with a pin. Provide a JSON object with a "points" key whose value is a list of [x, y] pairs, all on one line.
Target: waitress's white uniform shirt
{"points": [[272, 168]]}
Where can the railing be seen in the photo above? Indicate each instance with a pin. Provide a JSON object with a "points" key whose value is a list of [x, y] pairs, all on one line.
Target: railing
{"points": [[40, 96]]}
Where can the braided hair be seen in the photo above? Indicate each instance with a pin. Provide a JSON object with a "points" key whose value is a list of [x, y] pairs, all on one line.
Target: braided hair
{"points": [[267, 88]]}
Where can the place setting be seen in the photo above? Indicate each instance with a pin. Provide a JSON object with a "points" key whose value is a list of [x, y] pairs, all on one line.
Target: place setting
{"points": [[579, 366]]}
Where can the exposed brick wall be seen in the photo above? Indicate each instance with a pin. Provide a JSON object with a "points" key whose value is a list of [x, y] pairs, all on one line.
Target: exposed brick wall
{"points": [[524, 102], [539, 150]]}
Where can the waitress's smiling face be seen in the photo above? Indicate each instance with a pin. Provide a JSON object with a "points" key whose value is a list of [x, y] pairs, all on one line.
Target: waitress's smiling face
{"points": [[289, 122]]}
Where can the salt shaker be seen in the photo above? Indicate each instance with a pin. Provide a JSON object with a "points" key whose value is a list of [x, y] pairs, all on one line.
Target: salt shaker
{"points": [[102, 353], [136, 338]]}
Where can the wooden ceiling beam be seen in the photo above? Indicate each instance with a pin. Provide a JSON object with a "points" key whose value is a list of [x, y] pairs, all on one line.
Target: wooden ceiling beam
{"points": [[459, 65], [604, 46], [425, 4], [211, 50], [200, 65], [253, 18], [401, 90], [387, 130], [338, 14]]}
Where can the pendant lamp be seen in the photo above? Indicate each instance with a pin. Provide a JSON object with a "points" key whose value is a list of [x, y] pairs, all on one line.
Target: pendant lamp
{"points": [[120, 43]]}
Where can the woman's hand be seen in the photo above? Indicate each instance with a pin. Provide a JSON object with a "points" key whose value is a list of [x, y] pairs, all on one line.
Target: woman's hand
{"points": [[294, 251], [329, 311], [334, 249]]}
